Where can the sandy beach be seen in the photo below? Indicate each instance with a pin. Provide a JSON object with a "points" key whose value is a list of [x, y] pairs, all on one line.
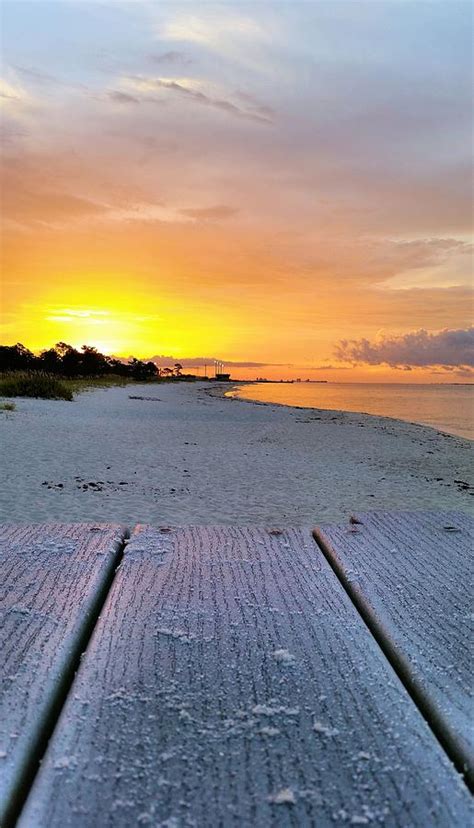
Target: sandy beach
{"points": [[185, 454]]}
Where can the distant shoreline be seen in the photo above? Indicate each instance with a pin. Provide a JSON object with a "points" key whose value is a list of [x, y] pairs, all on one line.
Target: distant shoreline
{"points": [[437, 427], [336, 411]]}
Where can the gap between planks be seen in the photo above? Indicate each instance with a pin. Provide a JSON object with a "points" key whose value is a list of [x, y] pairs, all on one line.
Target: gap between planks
{"points": [[399, 663], [26, 779]]}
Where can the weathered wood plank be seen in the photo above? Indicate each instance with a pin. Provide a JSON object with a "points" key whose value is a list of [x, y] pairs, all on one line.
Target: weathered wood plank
{"points": [[411, 575], [51, 580], [230, 681]]}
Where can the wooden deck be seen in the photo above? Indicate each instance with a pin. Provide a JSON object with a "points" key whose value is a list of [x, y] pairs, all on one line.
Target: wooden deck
{"points": [[237, 676]]}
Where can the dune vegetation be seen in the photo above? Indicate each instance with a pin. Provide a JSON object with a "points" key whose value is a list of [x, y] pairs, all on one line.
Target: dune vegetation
{"points": [[33, 384]]}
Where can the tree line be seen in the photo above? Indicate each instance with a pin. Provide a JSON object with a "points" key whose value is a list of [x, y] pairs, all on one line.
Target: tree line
{"points": [[66, 361]]}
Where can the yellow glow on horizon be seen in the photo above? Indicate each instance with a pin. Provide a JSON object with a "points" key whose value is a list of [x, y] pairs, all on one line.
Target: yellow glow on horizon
{"points": [[125, 325], [116, 322], [123, 329], [190, 290]]}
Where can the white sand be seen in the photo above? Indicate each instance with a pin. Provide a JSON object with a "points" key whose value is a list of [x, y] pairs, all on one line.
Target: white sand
{"points": [[198, 458]]}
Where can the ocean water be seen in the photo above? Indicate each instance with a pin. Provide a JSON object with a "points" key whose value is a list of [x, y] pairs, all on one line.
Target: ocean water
{"points": [[448, 408]]}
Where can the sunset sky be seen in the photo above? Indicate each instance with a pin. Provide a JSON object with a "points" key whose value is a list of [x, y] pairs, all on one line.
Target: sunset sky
{"points": [[284, 183]]}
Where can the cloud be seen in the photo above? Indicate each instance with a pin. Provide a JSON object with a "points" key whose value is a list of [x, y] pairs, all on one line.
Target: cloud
{"points": [[46, 207], [196, 362], [147, 213], [450, 349], [255, 105], [242, 38], [330, 368], [464, 371], [421, 252], [122, 97], [37, 75], [10, 133], [11, 93], [188, 88], [442, 262], [171, 57], [73, 314], [220, 211], [215, 29]]}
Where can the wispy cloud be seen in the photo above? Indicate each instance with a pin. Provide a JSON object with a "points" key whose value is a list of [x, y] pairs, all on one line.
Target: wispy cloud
{"points": [[75, 313], [147, 212], [219, 211], [255, 105], [215, 28], [12, 133], [243, 37], [28, 207], [122, 97], [330, 367], [40, 78], [12, 93], [163, 360], [171, 57], [190, 89], [448, 349], [441, 262], [37, 75]]}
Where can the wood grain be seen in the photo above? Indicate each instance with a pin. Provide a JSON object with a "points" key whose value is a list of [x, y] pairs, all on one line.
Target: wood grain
{"points": [[230, 681], [411, 576], [51, 579]]}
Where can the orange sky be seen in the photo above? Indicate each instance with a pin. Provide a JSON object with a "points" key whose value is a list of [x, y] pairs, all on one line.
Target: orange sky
{"points": [[253, 183]]}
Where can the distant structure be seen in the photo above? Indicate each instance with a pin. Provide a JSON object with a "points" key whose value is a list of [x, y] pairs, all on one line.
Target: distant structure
{"points": [[219, 372]]}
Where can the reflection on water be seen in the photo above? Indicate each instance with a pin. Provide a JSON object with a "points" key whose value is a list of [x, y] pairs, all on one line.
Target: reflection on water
{"points": [[445, 407]]}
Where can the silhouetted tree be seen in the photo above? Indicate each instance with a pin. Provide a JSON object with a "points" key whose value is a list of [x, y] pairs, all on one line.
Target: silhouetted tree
{"points": [[142, 370], [116, 366], [16, 358], [93, 363], [70, 359], [50, 361], [65, 360]]}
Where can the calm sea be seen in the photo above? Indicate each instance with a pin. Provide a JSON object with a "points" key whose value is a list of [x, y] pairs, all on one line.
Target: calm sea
{"points": [[445, 407]]}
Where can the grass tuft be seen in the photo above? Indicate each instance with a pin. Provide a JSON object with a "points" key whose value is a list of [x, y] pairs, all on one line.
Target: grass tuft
{"points": [[33, 384], [7, 406]]}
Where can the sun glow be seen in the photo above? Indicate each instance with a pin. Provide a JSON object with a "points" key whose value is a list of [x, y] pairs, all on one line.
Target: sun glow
{"points": [[124, 322]]}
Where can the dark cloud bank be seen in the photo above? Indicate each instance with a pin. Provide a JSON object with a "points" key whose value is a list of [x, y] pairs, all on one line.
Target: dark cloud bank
{"points": [[194, 362], [448, 349]]}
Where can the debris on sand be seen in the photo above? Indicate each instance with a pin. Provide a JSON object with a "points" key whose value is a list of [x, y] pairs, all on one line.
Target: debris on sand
{"points": [[284, 657], [283, 797]]}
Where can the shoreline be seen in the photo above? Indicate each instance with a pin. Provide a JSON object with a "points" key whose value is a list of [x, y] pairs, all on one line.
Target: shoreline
{"points": [[415, 423], [183, 455], [341, 411]]}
